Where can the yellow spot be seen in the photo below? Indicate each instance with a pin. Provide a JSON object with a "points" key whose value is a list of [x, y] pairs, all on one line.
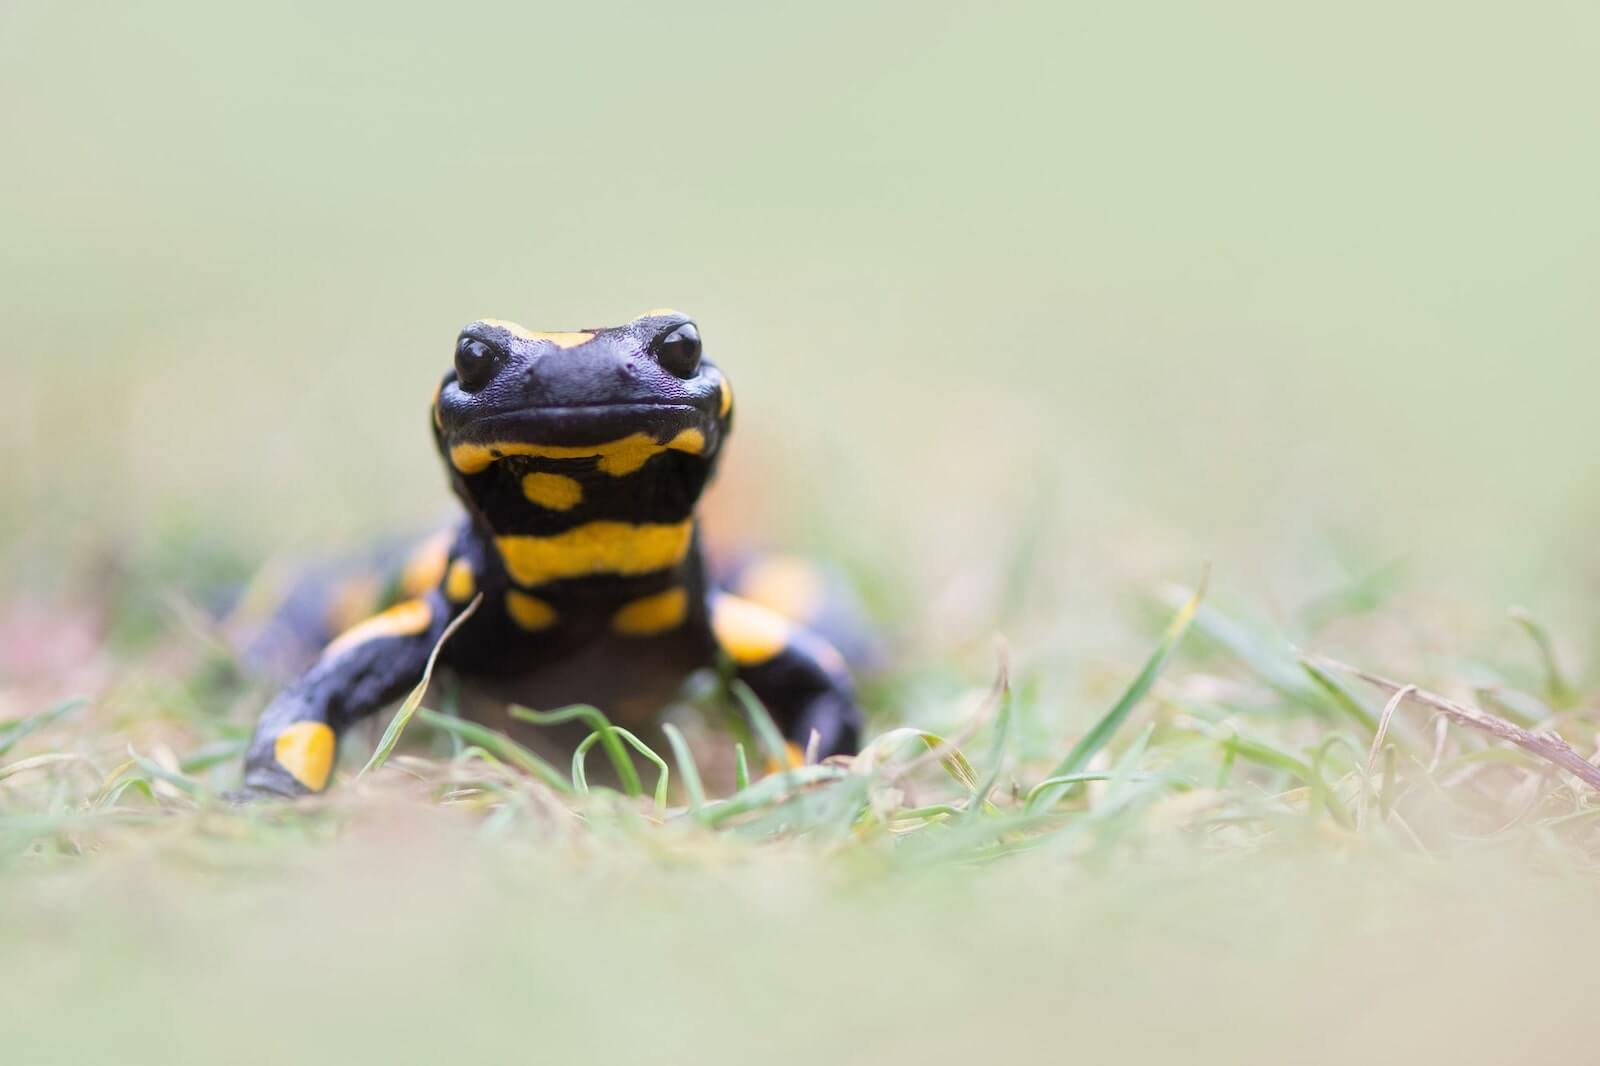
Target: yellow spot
{"points": [[424, 568], [529, 612], [460, 584], [794, 756], [750, 633], [438, 418], [619, 458], [727, 398], [405, 619], [788, 585], [554, 491], [658, 312], [352, 600], [653, 614], [305, 749], [568, 339], [595, 548]]}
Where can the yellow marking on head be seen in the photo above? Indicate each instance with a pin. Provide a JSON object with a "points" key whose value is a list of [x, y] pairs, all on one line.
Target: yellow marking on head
{"points": [[786, 584], [438, 417], [658, 312], [405, 619], [750, 633], [353, 600], [529, 612], [425, 565], [653, 614], [618, 458], [690, 440], [554, 491], [305, 749], [595, 548], [560, 338], [727, 399], [565, 339], [460, 583]]}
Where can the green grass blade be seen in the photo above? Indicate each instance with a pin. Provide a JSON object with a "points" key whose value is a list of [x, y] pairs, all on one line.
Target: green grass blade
{"points": [[499, 745], [771, 789], [741, 768], [1002, 734], [608, 738], [1341, 697], [663, 776], [1557, 689], [686, 767], [766, 730], [1097, 738], [1066, 781], [187, 785], [1264, 754], [13, 732]]}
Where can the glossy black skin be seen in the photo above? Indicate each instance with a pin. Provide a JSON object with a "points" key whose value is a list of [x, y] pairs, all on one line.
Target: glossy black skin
{"points": [[644, 377]]}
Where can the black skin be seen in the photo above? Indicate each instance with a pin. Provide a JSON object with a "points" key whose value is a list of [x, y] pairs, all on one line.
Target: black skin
{"points": [[558, 395]]}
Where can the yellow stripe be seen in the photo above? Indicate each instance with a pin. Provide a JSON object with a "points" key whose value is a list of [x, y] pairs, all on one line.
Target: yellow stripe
{"points": [[553, 491], [749, 633], [727, 398], [528, 612], [618, 458], [460, 584], [402, 620], [652, 614], [305, 749], [595, 548], [561, 339]]}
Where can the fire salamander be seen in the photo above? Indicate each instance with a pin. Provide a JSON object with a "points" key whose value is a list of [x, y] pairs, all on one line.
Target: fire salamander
{"points": [[578, 458]]}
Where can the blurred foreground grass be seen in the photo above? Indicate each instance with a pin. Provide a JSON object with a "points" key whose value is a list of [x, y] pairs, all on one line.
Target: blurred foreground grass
{"points": [[1220, 869]]}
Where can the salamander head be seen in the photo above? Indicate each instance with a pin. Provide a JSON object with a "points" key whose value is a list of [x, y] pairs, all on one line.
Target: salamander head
{"points": [[550, 421]]}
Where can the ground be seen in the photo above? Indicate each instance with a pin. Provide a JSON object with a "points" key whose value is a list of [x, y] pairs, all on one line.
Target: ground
{"points": [[1230, 868]]}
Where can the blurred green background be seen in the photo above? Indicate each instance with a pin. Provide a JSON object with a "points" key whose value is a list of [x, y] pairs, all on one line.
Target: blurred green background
{"points": [[1031, 308], [1257, 283]]}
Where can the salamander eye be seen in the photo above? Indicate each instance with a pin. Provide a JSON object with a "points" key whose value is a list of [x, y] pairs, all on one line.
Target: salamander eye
{"points": [[476, 363], [679, 351]]}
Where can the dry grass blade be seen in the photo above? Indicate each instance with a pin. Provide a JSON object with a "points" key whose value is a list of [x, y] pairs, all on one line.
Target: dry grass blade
{"points": [[408, 709], [1383, 725], [1548, 746], [39, 762]]}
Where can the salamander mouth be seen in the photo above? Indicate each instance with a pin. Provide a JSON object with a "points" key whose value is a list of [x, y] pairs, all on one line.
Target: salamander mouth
{"points": [[621, 436], [578, 424]]}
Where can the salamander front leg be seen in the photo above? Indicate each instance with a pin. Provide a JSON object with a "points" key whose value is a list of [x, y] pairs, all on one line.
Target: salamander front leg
{"points": [[798, 676], [370, 666]]}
